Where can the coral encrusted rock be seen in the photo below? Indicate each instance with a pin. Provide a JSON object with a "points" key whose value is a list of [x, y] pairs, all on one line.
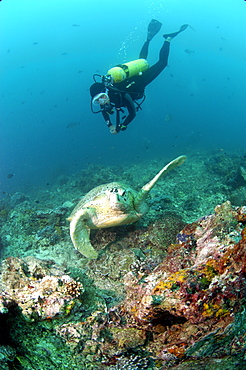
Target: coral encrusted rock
{"points": [[41, 289], [199, 287]]}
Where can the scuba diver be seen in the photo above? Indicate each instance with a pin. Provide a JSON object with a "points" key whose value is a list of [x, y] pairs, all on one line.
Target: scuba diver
{"points": [[123, 85]]}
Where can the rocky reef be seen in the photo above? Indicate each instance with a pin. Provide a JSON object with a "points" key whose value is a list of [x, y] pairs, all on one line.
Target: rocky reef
{"points": [[165, 293], [174, 311], [39, 288]]}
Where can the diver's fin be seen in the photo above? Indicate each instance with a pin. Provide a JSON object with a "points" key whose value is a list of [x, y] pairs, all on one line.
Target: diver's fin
{"points": [[172, 35], [153, 28]]}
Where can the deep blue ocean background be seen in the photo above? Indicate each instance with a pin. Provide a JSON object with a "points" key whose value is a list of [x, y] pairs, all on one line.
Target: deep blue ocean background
{"points": [[49, 51]]}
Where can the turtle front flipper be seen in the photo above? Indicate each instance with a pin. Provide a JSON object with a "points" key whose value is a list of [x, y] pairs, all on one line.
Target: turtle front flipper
{"points": [[143, 193], [170, 166], [80, 233]]}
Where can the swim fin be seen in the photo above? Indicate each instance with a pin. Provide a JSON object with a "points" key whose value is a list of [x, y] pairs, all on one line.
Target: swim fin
{"points": [[172, 35], [153, 28]]}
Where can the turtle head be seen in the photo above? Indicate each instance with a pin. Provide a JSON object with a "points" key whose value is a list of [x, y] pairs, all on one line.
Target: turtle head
{"points": [[122, 205], [118, 198]]}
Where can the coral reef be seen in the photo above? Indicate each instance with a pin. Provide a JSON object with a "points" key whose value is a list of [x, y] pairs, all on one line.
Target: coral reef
{"points": [[205, 263], [40, 289], [195, 297], [165, 293], [186, 306]]}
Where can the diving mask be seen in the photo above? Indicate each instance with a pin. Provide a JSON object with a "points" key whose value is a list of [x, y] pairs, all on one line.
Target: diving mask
{"points": [[100, 99]]}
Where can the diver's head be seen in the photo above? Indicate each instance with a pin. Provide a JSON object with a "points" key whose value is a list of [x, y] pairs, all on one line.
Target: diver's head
{"points": [[101, 99], [98, 94], [96, 88]]}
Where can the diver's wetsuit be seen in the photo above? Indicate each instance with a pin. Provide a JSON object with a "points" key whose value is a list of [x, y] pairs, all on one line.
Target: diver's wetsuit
{"points": [[123, 94]]}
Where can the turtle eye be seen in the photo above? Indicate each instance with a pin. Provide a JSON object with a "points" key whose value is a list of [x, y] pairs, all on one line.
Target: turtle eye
{"points": [[114, 190]]}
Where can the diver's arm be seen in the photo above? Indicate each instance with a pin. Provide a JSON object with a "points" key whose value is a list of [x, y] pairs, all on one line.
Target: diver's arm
{"points": [[106, 117], [129, 103]]}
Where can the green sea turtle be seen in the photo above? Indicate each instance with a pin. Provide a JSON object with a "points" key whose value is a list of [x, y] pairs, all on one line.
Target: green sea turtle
{"points": [[109, 205]]}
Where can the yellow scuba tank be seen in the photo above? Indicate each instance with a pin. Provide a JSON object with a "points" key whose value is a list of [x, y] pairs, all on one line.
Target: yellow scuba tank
{"points": [[122, 71]]}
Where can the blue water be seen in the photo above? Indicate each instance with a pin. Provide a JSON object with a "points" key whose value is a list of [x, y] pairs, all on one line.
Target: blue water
{"points": [[50, 49]]}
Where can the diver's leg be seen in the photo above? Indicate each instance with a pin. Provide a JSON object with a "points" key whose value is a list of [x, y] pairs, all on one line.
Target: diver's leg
{"points": [[164, 53], [158, 67], [154, 27], [144, 51]]}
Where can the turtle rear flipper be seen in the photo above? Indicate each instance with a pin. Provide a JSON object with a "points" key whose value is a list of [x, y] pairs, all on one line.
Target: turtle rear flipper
{"points": [[80, 233]]}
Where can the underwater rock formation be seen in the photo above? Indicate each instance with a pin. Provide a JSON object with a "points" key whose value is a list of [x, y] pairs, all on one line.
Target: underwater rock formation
{"points": [[40, 289], [182, 290], [196, 292]]}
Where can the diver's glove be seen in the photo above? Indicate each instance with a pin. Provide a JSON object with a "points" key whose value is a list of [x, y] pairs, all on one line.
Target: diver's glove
{"points": [[113, 130]]}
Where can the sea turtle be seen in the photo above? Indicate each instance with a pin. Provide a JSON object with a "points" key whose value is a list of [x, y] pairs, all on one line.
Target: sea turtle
{"points": [[108, 205]]}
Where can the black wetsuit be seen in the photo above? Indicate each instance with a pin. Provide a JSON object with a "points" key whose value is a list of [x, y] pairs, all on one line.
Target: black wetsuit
{"points": [[123, 94]]}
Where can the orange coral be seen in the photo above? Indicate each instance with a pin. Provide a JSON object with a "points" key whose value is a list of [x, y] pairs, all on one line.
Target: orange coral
{"points": [[174, 279], [178, 351]]}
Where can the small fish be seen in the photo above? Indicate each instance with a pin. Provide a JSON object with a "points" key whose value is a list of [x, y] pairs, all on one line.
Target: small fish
{"points": [[189, 52], [35, 43], [10, 175], [73, 124], [76, 25]]}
